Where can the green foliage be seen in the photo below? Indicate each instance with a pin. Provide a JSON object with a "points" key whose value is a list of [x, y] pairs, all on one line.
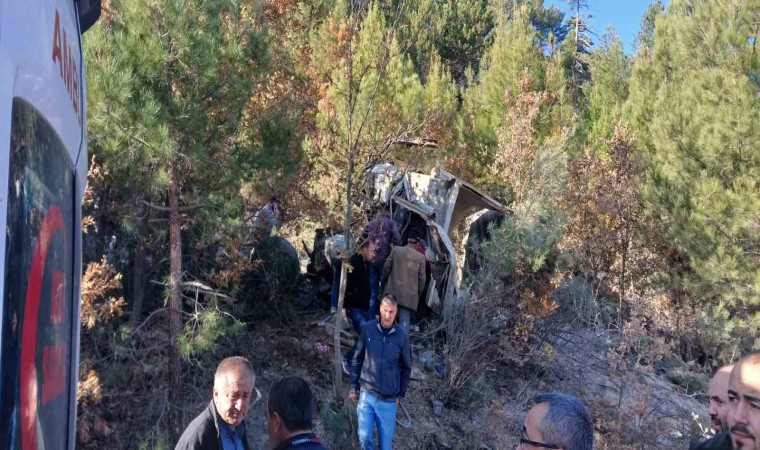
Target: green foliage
{"points": [[464, 34], [174, 79], [528, 237], [513, 54], [644, 41], [372, 96], [694, 105], [160, 445], [548, 22], [610, 70], [204, 330]]}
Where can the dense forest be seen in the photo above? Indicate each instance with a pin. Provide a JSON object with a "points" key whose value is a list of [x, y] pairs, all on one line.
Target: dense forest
{"points": [[633, 182]]}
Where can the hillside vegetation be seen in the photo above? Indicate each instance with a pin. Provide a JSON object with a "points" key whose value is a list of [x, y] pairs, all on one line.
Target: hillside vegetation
{"points": [[628, 271]]}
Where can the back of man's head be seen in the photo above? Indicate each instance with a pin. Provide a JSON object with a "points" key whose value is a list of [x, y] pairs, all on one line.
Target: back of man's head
{"points": [[292, 400], [567, 423]]}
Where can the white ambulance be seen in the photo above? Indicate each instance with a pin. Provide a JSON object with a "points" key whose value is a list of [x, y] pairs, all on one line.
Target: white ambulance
{"points": [[43, 169]]}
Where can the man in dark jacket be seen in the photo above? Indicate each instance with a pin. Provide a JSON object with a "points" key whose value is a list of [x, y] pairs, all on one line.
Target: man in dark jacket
{"points": [[718, 411], [721, 441], [744, 403], [356, 302], [381, 232], [380, 375], [221, 426], [290, 416]]}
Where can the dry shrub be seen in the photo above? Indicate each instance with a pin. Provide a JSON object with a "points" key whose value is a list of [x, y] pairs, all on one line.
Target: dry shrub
{"points": [[639, 347], [99, 281], [633, 423], [491, 329], [471, 336], [91, 425], [100, 284], [96, 176], [230, 263], [516, 345], [606, 212], [636, 427], [514, 161]]}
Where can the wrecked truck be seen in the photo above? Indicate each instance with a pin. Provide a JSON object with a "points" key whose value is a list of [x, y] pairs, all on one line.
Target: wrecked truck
{"points": [[430, 205]]}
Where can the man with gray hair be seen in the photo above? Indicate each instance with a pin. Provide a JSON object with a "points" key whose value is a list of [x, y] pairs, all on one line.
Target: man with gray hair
{"points": [[557, 421], [220, 426]]}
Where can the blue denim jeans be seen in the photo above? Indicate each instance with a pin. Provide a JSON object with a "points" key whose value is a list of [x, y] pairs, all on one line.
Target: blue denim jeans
{"points": [[375, 286], [357, 318], [371, 411], [336, 264]]}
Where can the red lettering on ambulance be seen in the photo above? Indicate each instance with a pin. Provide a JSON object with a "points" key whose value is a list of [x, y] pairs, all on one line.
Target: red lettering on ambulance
{"points": [[57, 41], [64, 56], [66, 60]]}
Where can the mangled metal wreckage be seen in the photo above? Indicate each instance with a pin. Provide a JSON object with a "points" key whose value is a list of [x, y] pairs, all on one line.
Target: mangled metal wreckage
{"points": [[430, 205]]}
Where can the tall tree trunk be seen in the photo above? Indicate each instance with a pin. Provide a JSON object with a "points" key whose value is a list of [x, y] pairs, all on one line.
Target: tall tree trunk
{"points": [[621, 288], [175, 304], [337, 368], [577, 23], [350, 153]]}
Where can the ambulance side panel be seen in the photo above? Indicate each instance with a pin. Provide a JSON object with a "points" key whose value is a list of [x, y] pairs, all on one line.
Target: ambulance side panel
{"points": [[42, 175]]}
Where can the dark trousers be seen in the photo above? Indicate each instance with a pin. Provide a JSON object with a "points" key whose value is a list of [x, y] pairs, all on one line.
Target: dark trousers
{"points": [[375, 286]]}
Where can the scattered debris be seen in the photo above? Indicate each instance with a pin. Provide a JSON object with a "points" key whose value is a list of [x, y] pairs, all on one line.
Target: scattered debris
{"points": [[437, 408]]}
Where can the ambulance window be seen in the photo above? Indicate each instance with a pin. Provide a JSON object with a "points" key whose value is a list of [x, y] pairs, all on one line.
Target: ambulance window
{"points": [[37, 310]]}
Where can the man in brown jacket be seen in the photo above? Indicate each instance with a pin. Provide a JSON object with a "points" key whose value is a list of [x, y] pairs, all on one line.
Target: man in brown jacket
{"points": [[404, 271]]}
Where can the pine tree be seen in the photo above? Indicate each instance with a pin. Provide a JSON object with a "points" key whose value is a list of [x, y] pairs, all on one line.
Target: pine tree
{"points": [[549, 25], [694, 105], [465, 34], [169, 84], [371, 97], [513, 55], [576, 51], [645, 37], [610, 70]]}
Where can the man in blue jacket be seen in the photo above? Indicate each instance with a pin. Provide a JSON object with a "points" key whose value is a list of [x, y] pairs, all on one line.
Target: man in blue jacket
{"points": [[380, 374]]}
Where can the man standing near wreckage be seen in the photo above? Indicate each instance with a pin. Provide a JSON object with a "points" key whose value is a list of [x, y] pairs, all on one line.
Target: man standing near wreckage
{"points": [[404, 277], [381, 232], [380, 373], [220, 426]]}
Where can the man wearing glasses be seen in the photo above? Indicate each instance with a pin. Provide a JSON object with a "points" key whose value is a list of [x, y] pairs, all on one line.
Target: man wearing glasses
{"points": [[557, 421]]}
